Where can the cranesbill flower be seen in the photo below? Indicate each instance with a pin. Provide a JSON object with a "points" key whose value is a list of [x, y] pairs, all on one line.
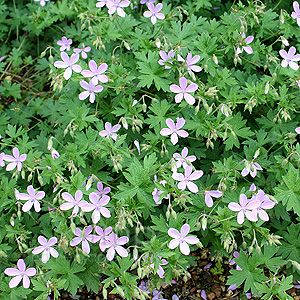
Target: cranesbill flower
{"points": [[114, 244], [110, 131], [96, 72], [296, 12], [203, 295], [15, 160], [236, 254], [166, 58], [265, 203], [174, 130], [72, 202], [190, 62], [156, 193], [160, 270], [116, 6], [19, 274], [103, 234], [2, 162], [245, 41], [69, 63], [84, 237], [147, 1], [154, 13], [102, 191], [183, 91], [187, 178], [297, 130], [91, 89], [42, 2], [65, 44], [289, 58], [251, 168], [54, 154], [245, 208], [181, 239], [46, 248], [83, 50], [32, 198], [102, 3], [183, 159], [208, 197]]}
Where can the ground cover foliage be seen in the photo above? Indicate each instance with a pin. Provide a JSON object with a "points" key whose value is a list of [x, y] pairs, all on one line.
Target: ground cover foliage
{"points": [[133, 133]]}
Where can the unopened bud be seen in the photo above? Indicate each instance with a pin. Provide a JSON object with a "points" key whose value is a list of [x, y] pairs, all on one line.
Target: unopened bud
{"points": [[104, 293], [295, 264], [281, 17], [73, 227], [204, 222], [256, 153], [77, 257], [12, 221], [250, 249], [215, 59], [124, 123], [50, 59], [206, 67], [174, 215], [258, 249], [167, 215], [126, 45], [267, 87], [157, 43], [50, 143], [144, 107], [29, 177]]}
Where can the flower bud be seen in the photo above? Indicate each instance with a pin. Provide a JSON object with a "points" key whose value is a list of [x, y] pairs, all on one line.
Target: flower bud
{"points": [[120, 291], [77, 257], [281, 17], [50, 59], [174, 215], [168, 214], [73, 227], [104, 293], [126, 45], [250, 249], [204, 222], [135, 253], [50, 143], [215, 59], [157, 43], [267, 87], [124, 123]]}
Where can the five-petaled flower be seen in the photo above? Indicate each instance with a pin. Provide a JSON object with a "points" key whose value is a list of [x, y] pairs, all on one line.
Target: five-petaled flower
{"points": [[183, 159], [265, 203], [102, 3], [15, 160], [84, 236], [296, 12], [154, 12], [69, 63], [110, 131], [102, 191], [72, 202], [251, 168], [174, 130], [114, 244], [187, 178], [245, 41], [42, 2], [245, 208], [83, 50], [96, 72], [208, 197], [166, 58], [289, 58], [32, 198], [181, 239], [116, 6], [65, 44], [103, 234], [190, 62], [91, 89], [160, 272], [183, 91], [46, 248], [19, 274]]}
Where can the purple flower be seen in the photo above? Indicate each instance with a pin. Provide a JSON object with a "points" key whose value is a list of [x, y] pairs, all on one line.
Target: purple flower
{"points": [[252, 188], [96, 72], [42, 2], [2, 162], [166, 58], [245, 208], [208, 197], [83, 50], [32, 198], [15, 160], [182, 159], [46, 248], [103, 234], [91, 89], [64, 44], [174, 130], [236, 254], [84, 237], [113, 244], [147, 1], [72, 202], [156, 295], [116, 6], [265, 203], [144, 287], [54, 154], [19, 274], [175, 297], [69, 64], [102, 3], [181, 239], [296, 12], [297, 130], [187, 178], [160, 270], [154, 13], [245, 41], [183, 91], [190, 61], [110, 131], [289, 58], [251, 168], [203, 295], [156, 193], [102, 191]]}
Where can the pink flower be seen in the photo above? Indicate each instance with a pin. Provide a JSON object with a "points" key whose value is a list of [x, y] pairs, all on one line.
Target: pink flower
{"points": [[84, 237], [102, 191], [96, 73], [15, 160], [83, 50], [236, 254], [245, 41], [296, 12], [19, 274], [181, 239], [116, 6], [113, 244], [42, 2], [54, 154], [91, 89], [203, 295], [65, 44], [297, 130], [182, 159], [265, 203], [153, 12], [103, 234], [2, 162], [190, 61], [289, 58], [69, 64], [147, 1], [32, 198], [102, 3], [110, 131], [46, 248], [183, 91], [208, 197], [156, 193], [160, 272], [252, 188], [174, 130], [251, 168], [187, 178], [72, 202], [245, 208], [166, 58]]}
